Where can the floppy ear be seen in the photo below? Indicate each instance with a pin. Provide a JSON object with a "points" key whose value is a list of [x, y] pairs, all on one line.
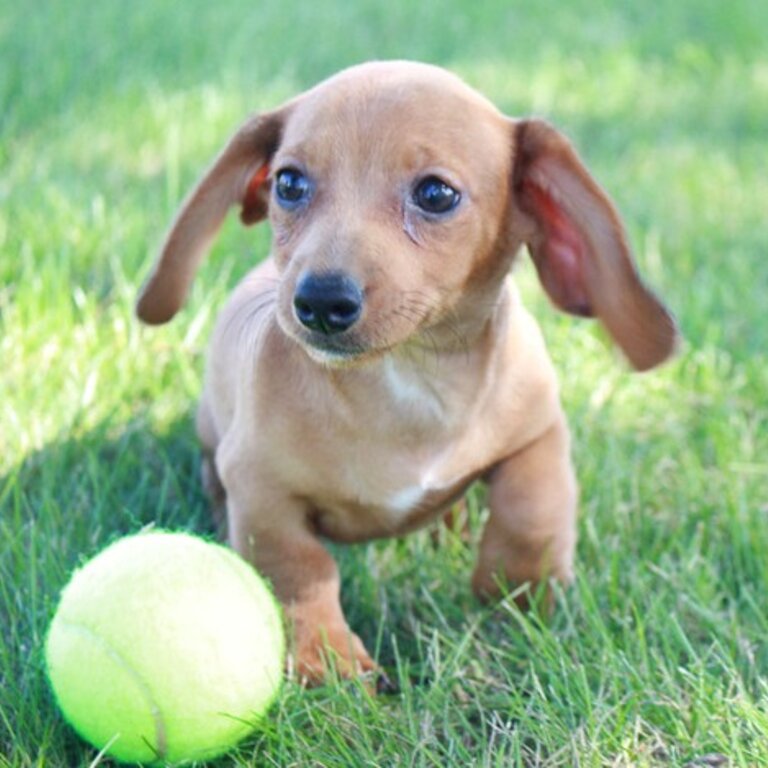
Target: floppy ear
{"points": [[237, 176], [580, 249]]}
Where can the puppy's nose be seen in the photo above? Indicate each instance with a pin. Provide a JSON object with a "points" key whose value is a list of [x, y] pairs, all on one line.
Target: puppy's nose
{"points": [[328, 302]]}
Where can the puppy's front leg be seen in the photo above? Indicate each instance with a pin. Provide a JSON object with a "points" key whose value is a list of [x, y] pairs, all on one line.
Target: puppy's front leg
{"points": [[306, 581], [531, 533]]}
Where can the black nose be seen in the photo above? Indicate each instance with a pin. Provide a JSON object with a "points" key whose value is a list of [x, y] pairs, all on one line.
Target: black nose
{"points": [[328, 302]]}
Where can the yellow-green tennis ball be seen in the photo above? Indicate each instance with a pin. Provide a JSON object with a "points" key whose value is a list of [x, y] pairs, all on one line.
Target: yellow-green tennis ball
{"points": [[165, 647]]}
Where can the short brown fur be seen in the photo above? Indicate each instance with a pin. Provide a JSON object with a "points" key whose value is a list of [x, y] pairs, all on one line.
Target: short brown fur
{"points": [[443, 379]]}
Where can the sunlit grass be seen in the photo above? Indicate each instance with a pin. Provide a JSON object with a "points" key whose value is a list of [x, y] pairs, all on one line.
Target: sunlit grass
{"points": [[657, 655]]}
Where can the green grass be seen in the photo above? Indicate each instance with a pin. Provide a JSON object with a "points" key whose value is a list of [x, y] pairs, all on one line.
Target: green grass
{"points": [[658, 654]]}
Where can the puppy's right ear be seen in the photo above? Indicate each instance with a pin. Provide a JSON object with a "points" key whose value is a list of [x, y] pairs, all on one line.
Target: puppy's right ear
{"points": [[580, 249], [237, 177]]}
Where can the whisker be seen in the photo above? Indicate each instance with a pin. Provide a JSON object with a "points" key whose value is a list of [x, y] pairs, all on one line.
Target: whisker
{"points": [[257, 311], [242, 320]]}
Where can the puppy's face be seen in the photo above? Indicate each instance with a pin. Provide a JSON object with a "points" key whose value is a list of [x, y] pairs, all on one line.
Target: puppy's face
{"points": [[398, 197], [387, 197]]}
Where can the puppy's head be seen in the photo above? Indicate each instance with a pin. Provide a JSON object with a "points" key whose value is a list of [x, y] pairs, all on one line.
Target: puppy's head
{"points": [[398, 197]]}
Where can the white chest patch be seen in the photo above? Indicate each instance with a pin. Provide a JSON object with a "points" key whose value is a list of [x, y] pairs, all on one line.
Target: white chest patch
{"points": [[414, 395], [411, 391], [406, 499]]}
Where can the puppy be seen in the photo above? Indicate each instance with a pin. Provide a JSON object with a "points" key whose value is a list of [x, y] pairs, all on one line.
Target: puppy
{"points": [[380, 361]]}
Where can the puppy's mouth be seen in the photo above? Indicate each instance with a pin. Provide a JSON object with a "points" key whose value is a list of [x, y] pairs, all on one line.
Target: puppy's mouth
{"points": [[335, 352], [337, 325]]}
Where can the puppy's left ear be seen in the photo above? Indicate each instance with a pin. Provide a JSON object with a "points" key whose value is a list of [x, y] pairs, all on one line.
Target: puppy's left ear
{"points": [[579, 246], [237, 176]]}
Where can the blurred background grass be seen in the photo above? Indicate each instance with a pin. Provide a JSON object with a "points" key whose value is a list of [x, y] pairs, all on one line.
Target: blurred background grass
{"points": [[108, 113]]}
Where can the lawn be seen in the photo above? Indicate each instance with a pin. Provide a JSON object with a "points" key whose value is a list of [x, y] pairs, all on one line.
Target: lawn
{"points": [[658, 655]]}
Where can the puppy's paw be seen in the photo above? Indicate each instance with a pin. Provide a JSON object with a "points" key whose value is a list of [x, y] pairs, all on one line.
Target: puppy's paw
{"points": [[318, 653]]}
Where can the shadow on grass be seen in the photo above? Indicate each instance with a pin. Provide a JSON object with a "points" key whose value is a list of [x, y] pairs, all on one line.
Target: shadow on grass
{"points": [[69, 500], [60, 506]]}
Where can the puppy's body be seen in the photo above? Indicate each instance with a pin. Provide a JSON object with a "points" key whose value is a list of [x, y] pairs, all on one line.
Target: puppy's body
{"points": [[378, 449], [380, 361]]}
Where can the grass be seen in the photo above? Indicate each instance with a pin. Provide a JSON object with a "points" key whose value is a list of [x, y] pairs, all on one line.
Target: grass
{"points": [[657, 656]]}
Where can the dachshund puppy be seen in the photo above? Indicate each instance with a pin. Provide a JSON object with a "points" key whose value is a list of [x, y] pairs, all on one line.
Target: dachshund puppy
{"points": [[380, 361]]}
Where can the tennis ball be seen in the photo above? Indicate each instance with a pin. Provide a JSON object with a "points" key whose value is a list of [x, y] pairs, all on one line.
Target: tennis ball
{"points": [[165, 647]]}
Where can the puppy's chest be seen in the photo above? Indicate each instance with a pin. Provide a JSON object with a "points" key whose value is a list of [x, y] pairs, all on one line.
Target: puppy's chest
{"points": [[401, 457], [388, 496]]}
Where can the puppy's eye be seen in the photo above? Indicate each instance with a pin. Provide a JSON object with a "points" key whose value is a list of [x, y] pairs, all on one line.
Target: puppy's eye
{"points": [[433, 195], [292, 187]]}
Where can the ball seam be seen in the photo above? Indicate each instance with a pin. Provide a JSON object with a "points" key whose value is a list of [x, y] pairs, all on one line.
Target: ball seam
{"points": [[161, 746]]}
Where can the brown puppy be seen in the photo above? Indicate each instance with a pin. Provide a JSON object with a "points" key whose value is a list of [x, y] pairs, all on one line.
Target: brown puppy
{"points": [[380, 361]]}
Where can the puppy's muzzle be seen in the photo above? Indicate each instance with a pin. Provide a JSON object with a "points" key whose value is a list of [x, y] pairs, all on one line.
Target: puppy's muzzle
{"points": [[328, 302]]}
